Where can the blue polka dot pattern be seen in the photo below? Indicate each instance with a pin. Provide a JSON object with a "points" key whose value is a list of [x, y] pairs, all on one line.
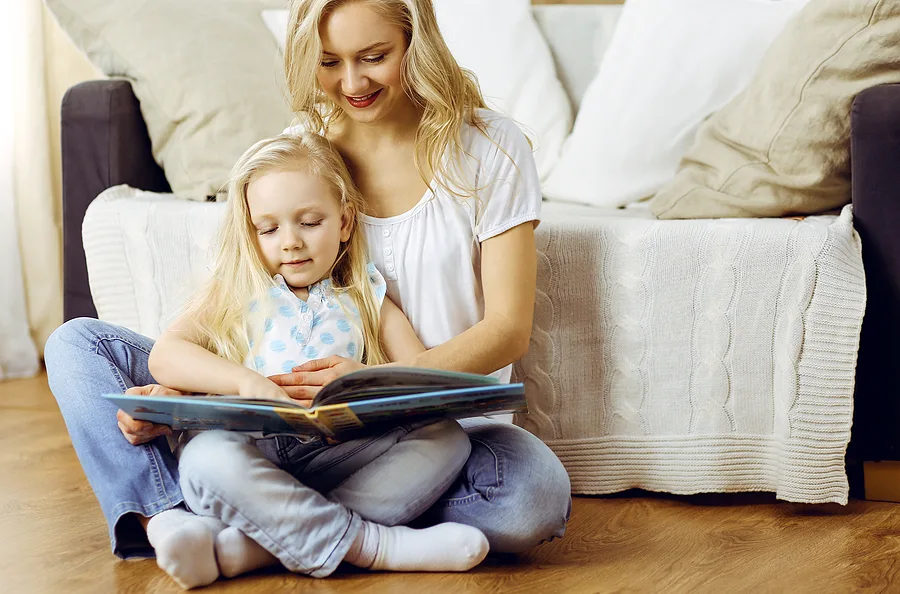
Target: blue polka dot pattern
{"points": [[296, 331], [254, 306]]}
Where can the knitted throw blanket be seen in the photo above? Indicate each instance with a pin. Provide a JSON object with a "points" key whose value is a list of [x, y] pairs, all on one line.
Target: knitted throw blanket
{"points": [[696, 356]]}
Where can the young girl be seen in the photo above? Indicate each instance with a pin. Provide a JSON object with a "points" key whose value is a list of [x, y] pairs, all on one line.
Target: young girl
{"points": [[292, 283]]}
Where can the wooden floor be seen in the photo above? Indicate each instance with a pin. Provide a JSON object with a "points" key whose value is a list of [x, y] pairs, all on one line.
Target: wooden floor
{"points": [[53, 539]]}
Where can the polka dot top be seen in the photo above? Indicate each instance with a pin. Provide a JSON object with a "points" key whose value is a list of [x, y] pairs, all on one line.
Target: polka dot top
{"points": [[296, 331]]}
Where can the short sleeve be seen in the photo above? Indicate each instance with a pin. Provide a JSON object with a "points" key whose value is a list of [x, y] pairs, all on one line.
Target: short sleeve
{"points": [[509, 187], [379, 285]]}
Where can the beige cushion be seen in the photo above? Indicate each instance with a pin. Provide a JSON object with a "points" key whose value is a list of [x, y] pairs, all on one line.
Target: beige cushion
{"points": [[783, 145], [207, 73]]}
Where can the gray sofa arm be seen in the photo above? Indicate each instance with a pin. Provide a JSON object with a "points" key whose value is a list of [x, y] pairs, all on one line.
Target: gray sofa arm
{"points": [[104, 144], [875, 163]]}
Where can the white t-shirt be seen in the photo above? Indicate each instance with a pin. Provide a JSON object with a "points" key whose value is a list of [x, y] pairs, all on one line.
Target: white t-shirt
{"points": [[430, 255]]}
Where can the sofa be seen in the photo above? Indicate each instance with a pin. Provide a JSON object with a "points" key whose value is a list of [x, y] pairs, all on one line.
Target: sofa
{"points": [[680, 356]]}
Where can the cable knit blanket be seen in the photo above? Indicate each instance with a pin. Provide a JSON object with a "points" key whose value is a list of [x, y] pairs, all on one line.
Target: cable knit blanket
{"points": [[696, 356], [677, 356]]}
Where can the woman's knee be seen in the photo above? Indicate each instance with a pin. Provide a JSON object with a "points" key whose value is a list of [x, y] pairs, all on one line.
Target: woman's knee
{"points": [[526, 485], [77, 333]]}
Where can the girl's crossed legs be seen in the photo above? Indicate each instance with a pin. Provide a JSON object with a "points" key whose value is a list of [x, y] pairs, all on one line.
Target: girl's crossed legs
{"points": [[306, 503]]}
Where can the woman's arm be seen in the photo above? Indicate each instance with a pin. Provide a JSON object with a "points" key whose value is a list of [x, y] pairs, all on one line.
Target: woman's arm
{"points": [[177, 361], [508, 277]]}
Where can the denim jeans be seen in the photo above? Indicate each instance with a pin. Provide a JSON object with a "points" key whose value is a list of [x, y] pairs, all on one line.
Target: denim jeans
{"points": [[295, 499], [512, 487]]}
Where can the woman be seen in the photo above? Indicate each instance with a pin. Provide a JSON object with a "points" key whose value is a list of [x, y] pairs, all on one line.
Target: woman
{"points": [[452, 199]]}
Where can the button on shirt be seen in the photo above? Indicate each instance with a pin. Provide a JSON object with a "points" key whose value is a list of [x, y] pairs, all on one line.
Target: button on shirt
{"points": [[296, 331]]}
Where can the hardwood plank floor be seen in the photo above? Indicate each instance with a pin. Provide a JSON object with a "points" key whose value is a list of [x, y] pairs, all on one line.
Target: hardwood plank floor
{"points": [[53, 538]]}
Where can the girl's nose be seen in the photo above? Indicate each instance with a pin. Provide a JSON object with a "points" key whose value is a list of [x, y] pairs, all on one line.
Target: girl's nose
{"points": [[291, 240]]}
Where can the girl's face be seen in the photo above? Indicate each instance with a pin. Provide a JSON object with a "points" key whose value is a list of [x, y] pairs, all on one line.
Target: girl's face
{"points": [[299, 225], [360, 65]]}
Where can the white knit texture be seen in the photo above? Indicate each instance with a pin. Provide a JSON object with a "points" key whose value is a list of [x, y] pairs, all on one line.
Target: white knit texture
{"points": [[696, 356], [676, 356]]}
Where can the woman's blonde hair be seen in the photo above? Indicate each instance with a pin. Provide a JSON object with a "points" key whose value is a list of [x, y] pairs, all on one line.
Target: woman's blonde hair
{"points": [[219, 316], [448, 94]]}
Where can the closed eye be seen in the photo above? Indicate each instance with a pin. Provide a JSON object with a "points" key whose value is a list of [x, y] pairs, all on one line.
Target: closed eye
{"points": [[266, 231], [328, 63], [374, 59], [313, 224]]}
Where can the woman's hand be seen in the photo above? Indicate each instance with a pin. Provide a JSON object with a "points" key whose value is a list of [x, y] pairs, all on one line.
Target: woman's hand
{"points": [[140, 432], [254, 385], [305, 381]]}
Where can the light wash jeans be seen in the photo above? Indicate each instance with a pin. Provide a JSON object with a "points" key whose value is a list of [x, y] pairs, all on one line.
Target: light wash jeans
{"points": [[295, 499], [512, 487]]}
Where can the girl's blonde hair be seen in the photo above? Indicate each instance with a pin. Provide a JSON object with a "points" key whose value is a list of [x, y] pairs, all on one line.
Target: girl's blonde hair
{"points": [[219, 315], [448, 94]]}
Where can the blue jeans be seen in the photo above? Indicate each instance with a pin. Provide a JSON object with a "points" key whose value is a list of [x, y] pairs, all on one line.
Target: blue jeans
{"points": [[302, 502], [513, 488]]}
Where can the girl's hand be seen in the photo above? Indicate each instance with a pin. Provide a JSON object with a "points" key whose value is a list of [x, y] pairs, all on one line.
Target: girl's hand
{"points": [[253, 385], [140, 432], [306, 380]]}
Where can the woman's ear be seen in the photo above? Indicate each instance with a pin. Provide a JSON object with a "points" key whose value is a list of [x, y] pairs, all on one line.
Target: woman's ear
{"points": [[347, 222]]}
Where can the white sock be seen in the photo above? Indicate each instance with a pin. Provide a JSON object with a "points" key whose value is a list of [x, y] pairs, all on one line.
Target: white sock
{"points": [[444, 547], [237, 553], [185, 546]]}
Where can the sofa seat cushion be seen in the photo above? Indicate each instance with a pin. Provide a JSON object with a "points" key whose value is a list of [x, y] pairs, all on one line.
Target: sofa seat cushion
{"points": [[678, 356]]}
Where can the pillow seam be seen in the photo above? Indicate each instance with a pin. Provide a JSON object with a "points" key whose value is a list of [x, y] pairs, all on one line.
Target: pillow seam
{"points": [[768, 154]]}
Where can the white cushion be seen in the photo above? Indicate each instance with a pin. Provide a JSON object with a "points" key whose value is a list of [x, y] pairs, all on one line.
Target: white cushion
{"points": [[578, 36], [670, 64], [501, 43]]}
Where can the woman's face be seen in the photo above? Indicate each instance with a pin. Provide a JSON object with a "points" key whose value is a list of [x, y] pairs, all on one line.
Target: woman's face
{"points": [[360, 64]]}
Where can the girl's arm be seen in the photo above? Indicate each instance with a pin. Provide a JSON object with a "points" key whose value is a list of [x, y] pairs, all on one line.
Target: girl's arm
{"points": [[508, 277], [177, 361], [397, 335]]}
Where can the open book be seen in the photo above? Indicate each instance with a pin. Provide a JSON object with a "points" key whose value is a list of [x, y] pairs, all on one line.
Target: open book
{"points": [[355, 403]]}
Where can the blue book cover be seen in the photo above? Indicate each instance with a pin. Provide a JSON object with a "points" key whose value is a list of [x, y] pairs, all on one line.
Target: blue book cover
{"points": [[353, 404]]}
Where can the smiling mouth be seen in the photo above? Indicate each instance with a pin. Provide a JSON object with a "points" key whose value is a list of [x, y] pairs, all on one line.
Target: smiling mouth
{"points": [[364, 101]]}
